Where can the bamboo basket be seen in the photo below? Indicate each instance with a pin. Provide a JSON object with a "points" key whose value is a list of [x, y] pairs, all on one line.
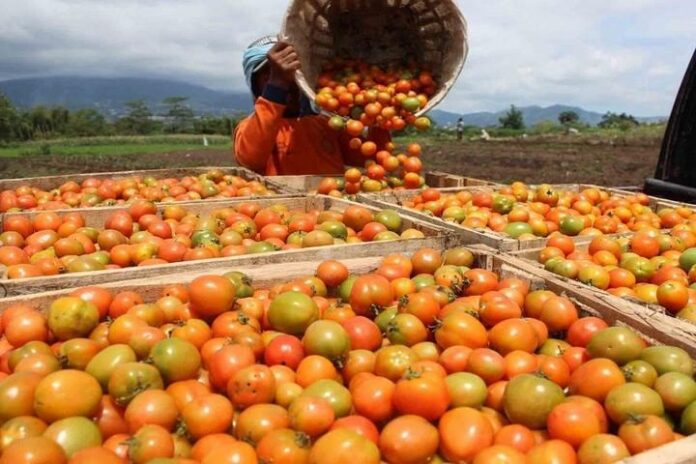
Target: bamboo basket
{"points": [[435, 236], [380, 32]]}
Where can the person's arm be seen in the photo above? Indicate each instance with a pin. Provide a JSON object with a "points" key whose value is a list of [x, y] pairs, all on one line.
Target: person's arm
{"points": [[353, 157], [255, 137]]}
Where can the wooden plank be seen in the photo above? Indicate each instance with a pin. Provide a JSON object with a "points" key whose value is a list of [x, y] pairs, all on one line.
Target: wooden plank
{"points": [[434, 237], [679, 452], [51, 182]]}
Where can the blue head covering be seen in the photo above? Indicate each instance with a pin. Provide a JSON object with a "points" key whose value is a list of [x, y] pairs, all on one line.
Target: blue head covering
{"points": [[255, 58]]}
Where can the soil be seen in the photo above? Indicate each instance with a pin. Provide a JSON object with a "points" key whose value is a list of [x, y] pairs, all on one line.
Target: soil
{"points": [[504, 161]]}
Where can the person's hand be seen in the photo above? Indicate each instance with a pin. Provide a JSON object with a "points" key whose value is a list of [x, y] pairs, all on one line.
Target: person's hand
{"points": [[284, 61]]}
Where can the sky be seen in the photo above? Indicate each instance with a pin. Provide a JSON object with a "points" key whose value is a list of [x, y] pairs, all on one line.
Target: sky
{"points": [[602, 55]]}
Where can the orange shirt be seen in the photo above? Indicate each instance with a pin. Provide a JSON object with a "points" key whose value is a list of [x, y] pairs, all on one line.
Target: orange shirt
{"points": [[272, 145]]}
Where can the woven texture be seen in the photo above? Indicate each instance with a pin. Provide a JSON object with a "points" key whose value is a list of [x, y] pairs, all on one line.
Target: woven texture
{"points": [[432, 33]]}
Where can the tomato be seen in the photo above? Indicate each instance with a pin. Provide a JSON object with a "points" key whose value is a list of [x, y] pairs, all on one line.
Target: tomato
{"points": [[227, 361], [393, 361], [19, 428], [284, 446], [285, 350], [408, 439], [596, 378], [34, 450], [336, 394], [344, 446], [311, 415], [487, 364], [641, 372], [514, 334], [256, 421], [631, 400], [619, 344], [363, 333], [72, 317], [292, 312], [103, 364], [328, 339], [252, 385], [558, 313], [151, 407], [207, 414], [668, 359], [421, 394], [581, 331], [373, 398], [645, 433], [602, 448], [26, 327], [175, 359], [466, 390], [211, 295], [464, 432], [55, 396], [460, 328], [369, 294], [149, 443], [332, 273], [552, 452], [573, 423], [95, 454], [515, 436], [406, 329], [529, 399], [74, 434], [677, 390], [129, 379]]}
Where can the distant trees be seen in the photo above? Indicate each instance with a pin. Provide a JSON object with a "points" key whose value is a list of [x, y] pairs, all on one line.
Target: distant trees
{"points": [[621, 121], [44, 122], [138, 120], [180, 114], [513, 119], [567, 118]]}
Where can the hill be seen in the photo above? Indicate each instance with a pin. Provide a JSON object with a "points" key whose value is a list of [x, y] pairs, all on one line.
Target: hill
{"points": [[532, 115], [109, 95]]}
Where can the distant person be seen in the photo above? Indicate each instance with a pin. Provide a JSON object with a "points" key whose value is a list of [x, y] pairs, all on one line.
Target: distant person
{"points": [[460, 129], [285, 135]]}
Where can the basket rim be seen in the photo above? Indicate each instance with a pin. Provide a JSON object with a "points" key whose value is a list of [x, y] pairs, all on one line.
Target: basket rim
{"points": [[443, 89]]}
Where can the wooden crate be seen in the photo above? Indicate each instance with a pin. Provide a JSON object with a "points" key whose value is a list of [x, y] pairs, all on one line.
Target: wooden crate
{"points": [[438, 179], [658, 329], [486, 237], [656, 203], [531, 258], [51, 182], [95, 217]]}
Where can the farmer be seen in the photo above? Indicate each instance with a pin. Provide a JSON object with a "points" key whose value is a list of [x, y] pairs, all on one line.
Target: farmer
{"points": [[285, 135], [460, 129]]}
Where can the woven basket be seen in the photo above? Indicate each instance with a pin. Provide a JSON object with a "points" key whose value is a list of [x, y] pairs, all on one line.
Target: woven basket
{"points": [[432, 33]]}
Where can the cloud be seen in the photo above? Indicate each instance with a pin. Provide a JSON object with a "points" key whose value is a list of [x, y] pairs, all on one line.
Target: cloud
{"points": [[622, 55]]}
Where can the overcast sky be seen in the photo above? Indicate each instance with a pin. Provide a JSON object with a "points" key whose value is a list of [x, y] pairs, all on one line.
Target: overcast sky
{"points": [[619, 55]]}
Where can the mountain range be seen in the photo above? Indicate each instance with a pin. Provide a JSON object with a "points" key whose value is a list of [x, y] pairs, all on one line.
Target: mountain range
{"points": [[109, 95]]}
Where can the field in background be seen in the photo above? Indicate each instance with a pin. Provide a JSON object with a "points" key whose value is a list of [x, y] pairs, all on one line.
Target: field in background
{"points": [[597, 156]]}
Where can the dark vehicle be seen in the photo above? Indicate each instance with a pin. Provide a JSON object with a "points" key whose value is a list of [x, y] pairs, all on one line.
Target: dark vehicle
{"points": [[675, 176]]}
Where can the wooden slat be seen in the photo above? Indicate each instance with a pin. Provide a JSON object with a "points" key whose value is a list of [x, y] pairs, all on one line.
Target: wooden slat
{"points": [[678, 452], [434, 236]]}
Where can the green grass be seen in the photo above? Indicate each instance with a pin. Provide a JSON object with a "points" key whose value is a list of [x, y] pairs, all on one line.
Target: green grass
{"points": [[118, 145]]}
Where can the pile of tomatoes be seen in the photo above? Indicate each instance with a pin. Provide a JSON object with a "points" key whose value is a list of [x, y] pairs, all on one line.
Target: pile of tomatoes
{"points": [[427, 359], [522, 212], [107, 192], [364, 98], [388, 170], [143, 235], [656, 268]]}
